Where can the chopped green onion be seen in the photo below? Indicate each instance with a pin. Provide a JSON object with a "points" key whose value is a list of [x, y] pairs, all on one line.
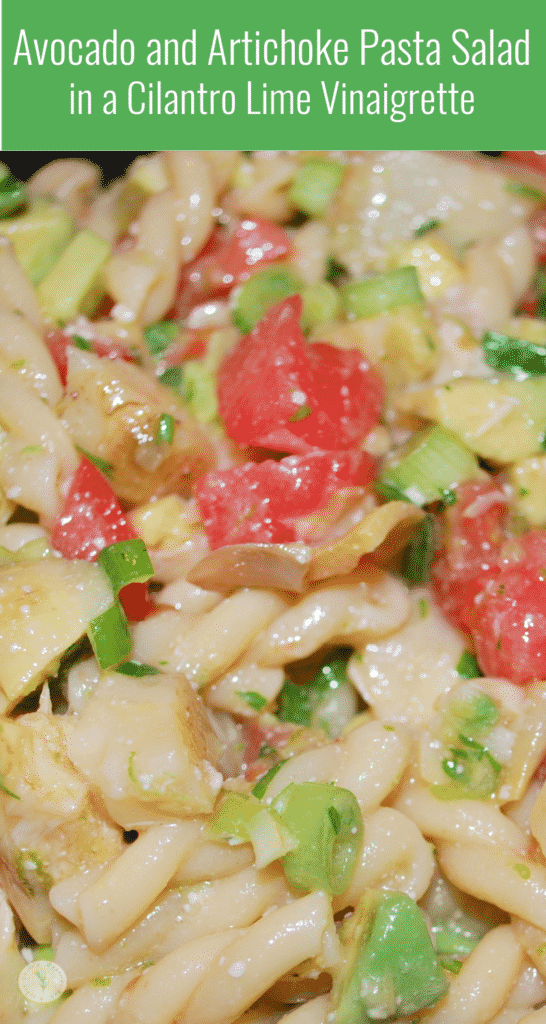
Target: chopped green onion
{"points": [[260, 788], [328, 844], [137, 668], [510, 354], [418, 556], [4, 789], [301, 703], [520, 188], [429, 225], [159, 336], [243, 818], [165, 429], [315, 185], [260, 293], [390, 969], [373, 296], [110, 637], [434, 461], [256, 701], [320, 305], [13, 194], [468, 667], [125, 562], [101, 464], [172, 377], [80, 342], [334, 270]]}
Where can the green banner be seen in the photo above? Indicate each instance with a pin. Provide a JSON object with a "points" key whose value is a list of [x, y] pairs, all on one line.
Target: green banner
{"points": [[134, 75]]}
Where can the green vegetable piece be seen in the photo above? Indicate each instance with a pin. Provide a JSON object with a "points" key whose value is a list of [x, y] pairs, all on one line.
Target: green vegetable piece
{"points": [[320, 305], [39, 236], [363, 300], [298, 703], [110, 637], [473, 714], [199, 388], [254, 700], [334, 270], [159, 336], [434, 461], [172, 377], [13, 194], [473, 770], [80, 342], [512, 355], [101, 464], [418, 556], [392, 970], [242, 817], [315, 185], [126, 562], [71, 286], [468, 667], [137, 669], [4, 789], [429, 225], [326, 821], [260, 788], [260, 293], [43, 953], [520, 188], [165, 429]]}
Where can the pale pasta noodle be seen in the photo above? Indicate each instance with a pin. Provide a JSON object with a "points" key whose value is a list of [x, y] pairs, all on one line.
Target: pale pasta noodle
{"points": [[267, 490]]}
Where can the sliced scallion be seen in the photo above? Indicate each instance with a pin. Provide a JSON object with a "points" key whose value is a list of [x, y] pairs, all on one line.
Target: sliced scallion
{"points": [[327, 822], [260, 293], [260, 788], [159, 336], [373, 296], [137, 669], [101, 464], [315, 185], [110, 637], [13, 194], [243, 818], [429, 225], [165, 429], [521, 188], [256, 701], [126, 562], [419, 554], [513, 355], [433, 462]]}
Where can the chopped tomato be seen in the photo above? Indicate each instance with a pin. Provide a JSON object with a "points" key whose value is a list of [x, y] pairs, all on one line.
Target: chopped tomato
{"points": [[472, 542], [534, 159], [275, 391], [90, 520], [261, 502], [57, 342], [228, 260]]}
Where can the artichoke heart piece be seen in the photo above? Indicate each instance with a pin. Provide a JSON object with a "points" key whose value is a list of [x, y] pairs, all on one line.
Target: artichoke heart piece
{"points": [[499, 419], [45, 607]]}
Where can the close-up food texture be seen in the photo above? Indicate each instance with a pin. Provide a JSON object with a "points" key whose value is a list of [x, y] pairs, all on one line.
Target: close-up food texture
{"points": [[273, 589]]}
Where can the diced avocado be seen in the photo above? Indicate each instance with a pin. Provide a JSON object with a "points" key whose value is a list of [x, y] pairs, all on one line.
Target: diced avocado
{"points": [[200, 391], [390, 969], [260, 293], [39, 236], [528, 479], [436, 266], [315, 185], [70, 285], [500, 419], [320, 305]]}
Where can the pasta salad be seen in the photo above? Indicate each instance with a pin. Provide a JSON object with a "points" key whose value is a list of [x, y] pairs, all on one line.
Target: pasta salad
{"points": [[272, 590]]}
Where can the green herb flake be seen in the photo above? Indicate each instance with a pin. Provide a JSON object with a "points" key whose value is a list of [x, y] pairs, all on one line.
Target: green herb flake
{"points": [[423, 607], [254, 700], [262, 784], [137, 669], [429, 225], [266, 750], [520, 188], [522, 870], [301, 414], [32, 449], [541, 950], [159, 336], [19, 364], [334, 270], [335, 819], [101, 982], [172, 377], [454, 966], [80, 342], [523, 492], [101, 464], [468, 667], [389, 728], [165, 429]]}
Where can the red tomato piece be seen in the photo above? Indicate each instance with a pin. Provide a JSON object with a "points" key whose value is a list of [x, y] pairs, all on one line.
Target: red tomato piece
{"points": [[228, 260], [91, 519], [277, 392], [260, 502], [57, 342], [472, 543], [508, 615], [534, 159]]}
